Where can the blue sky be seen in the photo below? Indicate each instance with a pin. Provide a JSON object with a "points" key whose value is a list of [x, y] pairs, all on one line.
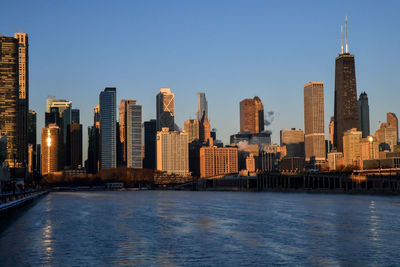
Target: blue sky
{"points": [[229, 49]]}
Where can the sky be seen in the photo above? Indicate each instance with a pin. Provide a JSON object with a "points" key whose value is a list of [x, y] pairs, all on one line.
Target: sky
{"points": [[231, 50]]}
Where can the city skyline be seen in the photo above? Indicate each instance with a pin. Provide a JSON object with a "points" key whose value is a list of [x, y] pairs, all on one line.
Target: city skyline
{"points": [[185, 88]]}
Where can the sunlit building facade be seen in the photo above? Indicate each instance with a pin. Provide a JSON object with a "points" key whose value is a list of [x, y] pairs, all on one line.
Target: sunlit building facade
{"points": [[133, 126], [172, 152], [51, 136], [314, 121], [251, 115], [215, 161]]}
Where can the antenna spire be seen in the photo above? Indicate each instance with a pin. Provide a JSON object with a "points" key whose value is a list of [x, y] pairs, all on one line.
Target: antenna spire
{"points": [[347, 46], [341, 44]]}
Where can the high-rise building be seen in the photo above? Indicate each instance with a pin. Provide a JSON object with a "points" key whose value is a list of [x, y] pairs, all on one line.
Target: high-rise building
{"points": [[346, 106], [392, 121], [202, 106], [108, 138], [251, 115], [216, 161], [74, 145], [363, 114], [150, 132], [133, 126], [165, 109], [93, 149], [172, 152], [294, 141], [23, 98], [75, 116], [122, 130], [50, 150], [32, 139], [314, 121], [192, 129], [205, 131], [9, 94], [386, 137], [352, 147]]}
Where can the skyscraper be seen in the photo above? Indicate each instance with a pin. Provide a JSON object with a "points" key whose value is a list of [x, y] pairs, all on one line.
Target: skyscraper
{"points": [[23, 99], [314, 121], [9, 93], [392, 121], [172, 152], [74, 145], [50, 149], [122, 130], [165, 109], [205, 131], [202, 106], [251, 115], [108, 138], [192, 129], [133, 125], [363, 114], [346, 107], [150, 132]]}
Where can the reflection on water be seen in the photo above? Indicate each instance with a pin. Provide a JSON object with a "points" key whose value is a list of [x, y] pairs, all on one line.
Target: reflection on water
{"points": [[204, 228]]}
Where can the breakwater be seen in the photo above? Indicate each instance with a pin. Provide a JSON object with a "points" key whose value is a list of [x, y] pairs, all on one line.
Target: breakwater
{"points": [[306, 182]]}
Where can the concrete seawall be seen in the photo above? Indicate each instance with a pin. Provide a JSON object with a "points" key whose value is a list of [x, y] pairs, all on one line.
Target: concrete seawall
{"points": [[11, 206]]}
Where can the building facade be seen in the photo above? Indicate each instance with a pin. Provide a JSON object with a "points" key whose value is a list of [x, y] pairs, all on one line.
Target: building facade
{"points": [[251, 115], [215, 161], [108, 138], [352, 147], [165, 109], [363, 114], [150, 133], [392, 121], [202, 106], [172, 152], [192, 129], [386, 137], [9, 94], [314, 121], [74, 147], [23, 96], [133, 125], [51, 137], [294, 141]]}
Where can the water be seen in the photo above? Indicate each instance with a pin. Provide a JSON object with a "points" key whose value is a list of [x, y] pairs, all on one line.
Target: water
{"points": [[204, 228]]}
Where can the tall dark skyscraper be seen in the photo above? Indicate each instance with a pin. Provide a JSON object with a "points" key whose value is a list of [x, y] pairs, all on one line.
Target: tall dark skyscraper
{"points": [[23, 96], [363, 114], [108, 131], [150, 132], [74, 145], [9, 94], [346, 106]]}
